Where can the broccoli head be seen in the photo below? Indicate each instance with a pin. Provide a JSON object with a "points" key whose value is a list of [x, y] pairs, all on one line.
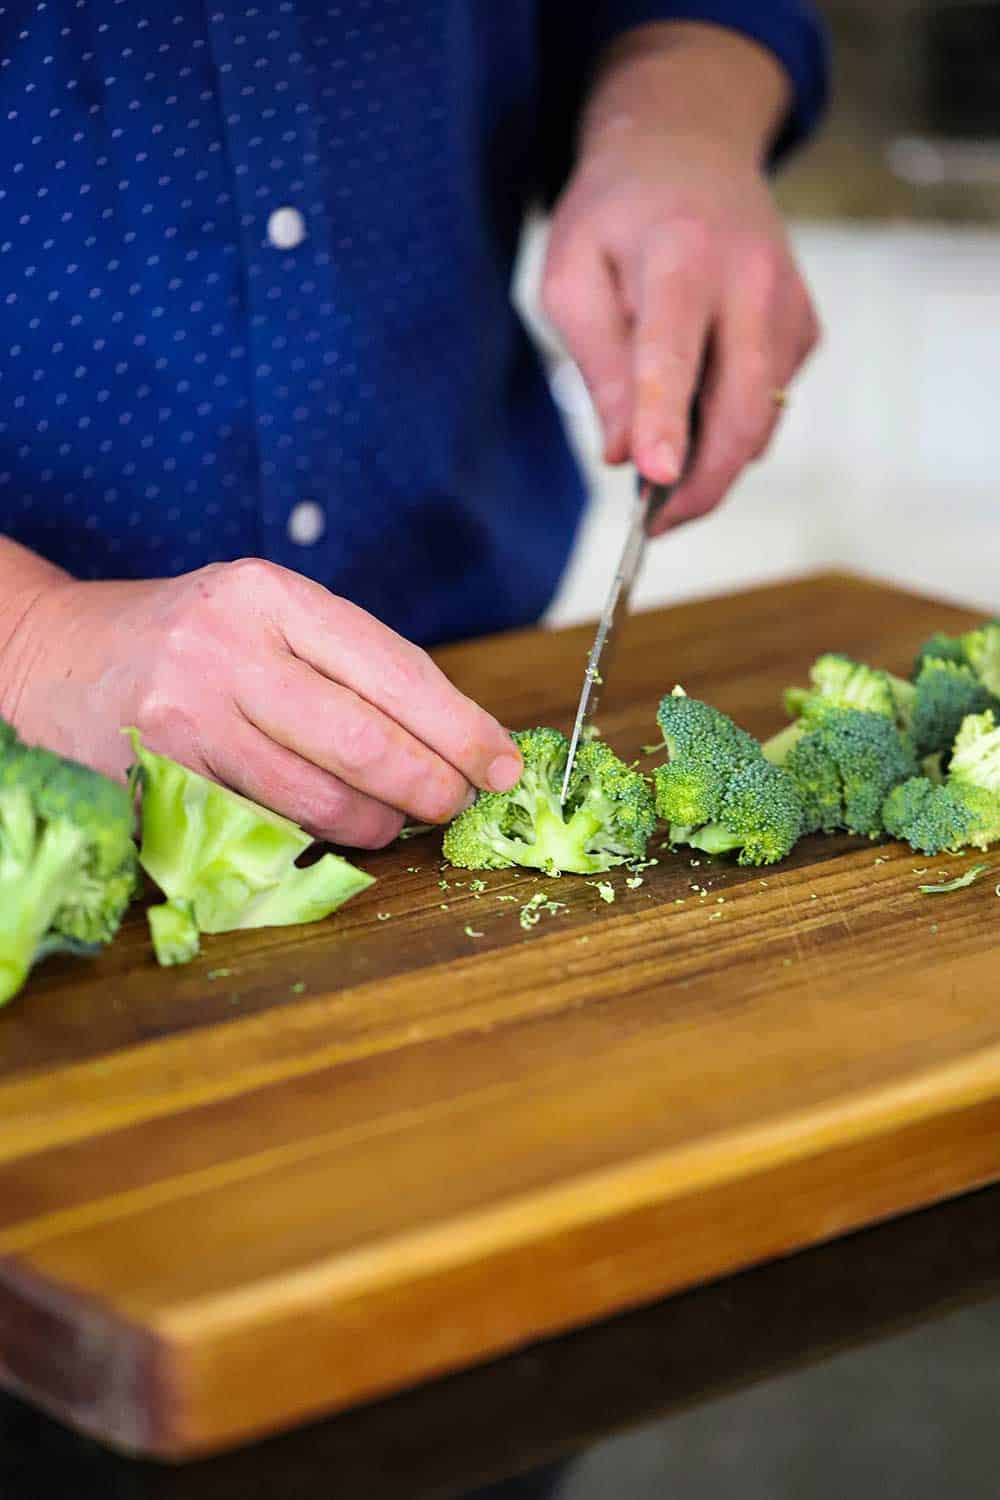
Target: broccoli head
{"points": [[717, 791], [965, 809], [978, 649], [67, 860], [223, 862], [945, 693], [703, 747], [606, 820], [844, 761], [845, 683]]}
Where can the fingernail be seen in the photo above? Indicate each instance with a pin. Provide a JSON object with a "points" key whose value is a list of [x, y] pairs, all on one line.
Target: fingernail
{"points": [[665, 463], [503, 773], [468, 799]]}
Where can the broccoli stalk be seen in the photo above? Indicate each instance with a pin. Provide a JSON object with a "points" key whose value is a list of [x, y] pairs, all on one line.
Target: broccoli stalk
{"points": [[67, 860], [223, 862], [717, 791], [606, 821]]}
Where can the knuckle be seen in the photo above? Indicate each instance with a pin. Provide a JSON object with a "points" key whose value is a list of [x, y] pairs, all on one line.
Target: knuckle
{"points": [[361, 742], [558, 294], [247, 576], [762, 268]]}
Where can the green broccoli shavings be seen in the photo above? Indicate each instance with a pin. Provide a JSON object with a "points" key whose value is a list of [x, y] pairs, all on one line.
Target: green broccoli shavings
{"points": [[965, 809], [717, 791], [68, 867], [223, 862], [960, 883], [606, 821], [844, 762]]}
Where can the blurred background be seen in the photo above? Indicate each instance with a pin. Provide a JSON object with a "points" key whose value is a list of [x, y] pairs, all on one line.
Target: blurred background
{"points": [[887, 458]]}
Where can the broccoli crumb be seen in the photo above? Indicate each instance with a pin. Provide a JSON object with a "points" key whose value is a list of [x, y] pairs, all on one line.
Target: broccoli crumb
{"points": [[299, 988], [605, 890], [531, 912], [218, 973], [469, 932], [383, 916], [413, 830], [583, 939], [413, 869], [476, 888], [715, 916], [634, 882]]}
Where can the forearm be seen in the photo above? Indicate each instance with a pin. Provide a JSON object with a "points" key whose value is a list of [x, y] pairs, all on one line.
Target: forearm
{"points": [[689, 80], [24, 579]]}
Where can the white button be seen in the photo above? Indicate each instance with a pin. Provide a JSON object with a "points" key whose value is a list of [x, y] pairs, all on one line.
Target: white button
{"points": [[286, 228], [306, 523]]}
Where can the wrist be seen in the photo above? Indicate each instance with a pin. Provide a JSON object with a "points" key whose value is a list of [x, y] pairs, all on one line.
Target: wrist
{"points": [[22, 632], [690, 83]]}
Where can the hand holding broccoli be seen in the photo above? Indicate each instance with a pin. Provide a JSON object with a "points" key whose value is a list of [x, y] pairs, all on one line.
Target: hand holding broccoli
{"points": [[264, 681]]}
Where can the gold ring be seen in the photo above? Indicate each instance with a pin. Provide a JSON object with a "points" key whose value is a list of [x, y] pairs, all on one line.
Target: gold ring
{"points": [[780, 397]]}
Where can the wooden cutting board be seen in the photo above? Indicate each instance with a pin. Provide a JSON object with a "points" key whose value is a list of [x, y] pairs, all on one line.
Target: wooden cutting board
{"points": [[324, 1163]]}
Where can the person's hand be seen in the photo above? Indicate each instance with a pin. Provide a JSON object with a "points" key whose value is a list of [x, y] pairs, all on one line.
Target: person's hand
{"points": [[263, 680], [668, 263]]}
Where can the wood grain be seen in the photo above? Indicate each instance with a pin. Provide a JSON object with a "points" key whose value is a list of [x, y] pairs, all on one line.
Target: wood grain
{"points": [[380, 1148]]}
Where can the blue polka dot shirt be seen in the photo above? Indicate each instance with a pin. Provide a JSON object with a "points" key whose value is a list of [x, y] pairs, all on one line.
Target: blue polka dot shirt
{"points": [[255, 263]]}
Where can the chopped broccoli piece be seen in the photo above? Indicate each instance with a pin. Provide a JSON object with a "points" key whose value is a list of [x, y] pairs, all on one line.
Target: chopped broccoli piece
{"points": [[704, 747], [978, 649], [838, 680], [174, 931], [607, 818], [68, 865], [225, 863], [717, 791], [945, 693], [966, 808], [844, 761]]}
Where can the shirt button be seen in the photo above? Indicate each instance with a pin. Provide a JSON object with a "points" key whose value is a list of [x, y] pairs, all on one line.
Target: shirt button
{"points": [[306, 523], [286, 228]]}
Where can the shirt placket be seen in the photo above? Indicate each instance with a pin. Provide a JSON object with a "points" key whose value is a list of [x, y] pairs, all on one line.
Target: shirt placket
{"points": [[270, 129]]}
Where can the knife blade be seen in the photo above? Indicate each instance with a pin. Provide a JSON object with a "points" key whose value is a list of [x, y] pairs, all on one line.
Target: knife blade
{"points": [[649, 502]]}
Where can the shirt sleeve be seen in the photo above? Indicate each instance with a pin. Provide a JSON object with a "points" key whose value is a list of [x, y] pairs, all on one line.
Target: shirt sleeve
{"points": [[792, 30]]}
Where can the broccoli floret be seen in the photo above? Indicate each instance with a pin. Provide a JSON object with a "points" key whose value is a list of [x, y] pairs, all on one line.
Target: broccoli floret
{"points": [[844, 762], [978, 649], [966, 808], [944, 695], [717, 791], [760, 814], [225, 863], [67, 860], [704, 747], [844, 683], [607, 818]]}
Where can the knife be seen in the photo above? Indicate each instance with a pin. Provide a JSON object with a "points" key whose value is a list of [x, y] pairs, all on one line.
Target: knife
{"points": [[649, 502]]}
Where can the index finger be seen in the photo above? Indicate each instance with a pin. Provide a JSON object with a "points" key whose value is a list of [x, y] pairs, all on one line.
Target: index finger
{"points": [[674, 310], [351, 647]]}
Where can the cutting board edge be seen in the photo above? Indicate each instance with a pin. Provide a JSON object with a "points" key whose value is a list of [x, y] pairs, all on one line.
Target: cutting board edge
{"points": [[767, 1214]]}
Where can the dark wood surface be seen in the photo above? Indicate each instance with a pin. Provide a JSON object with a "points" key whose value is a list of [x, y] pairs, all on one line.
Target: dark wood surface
{"points": [[379, 1149]]}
